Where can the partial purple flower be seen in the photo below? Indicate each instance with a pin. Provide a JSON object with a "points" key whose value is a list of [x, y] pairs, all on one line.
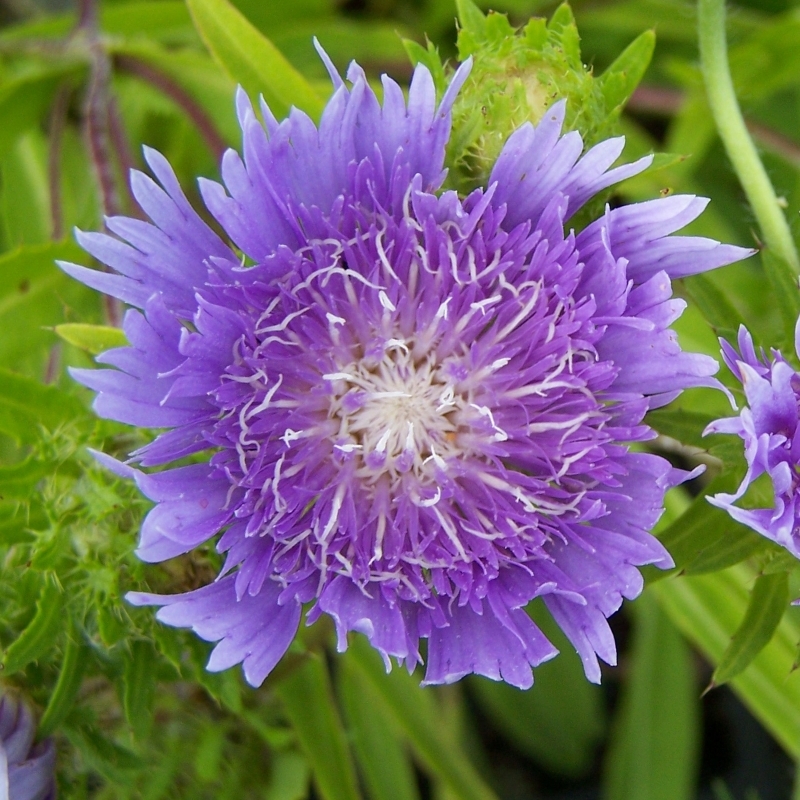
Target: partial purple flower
{"points": [[27, 770], [768, 426], [417, 407]]}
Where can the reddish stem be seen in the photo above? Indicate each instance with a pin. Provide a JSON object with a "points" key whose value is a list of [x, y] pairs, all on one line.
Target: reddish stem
{"points": [[165, 84]]}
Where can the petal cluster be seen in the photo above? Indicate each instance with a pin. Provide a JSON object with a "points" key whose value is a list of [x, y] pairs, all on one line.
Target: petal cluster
{"points": [[768, 426], [416, 407], [27, 770]]}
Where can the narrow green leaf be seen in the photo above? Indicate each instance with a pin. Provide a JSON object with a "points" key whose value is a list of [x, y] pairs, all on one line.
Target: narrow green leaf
{"points": [[156, 19], [779, 560], [787, 295], [706, 539], [290, 776], [117, 764], [42, 631], [251, 59], [653, 753], [92, 338], [685, 426], [139, 687], [25, 200], [559, 722], [307, 698], [34, 296], [714, 304], [415, 711], [387, 771], [708, 609], [208, 756], [734, 546], [73, 666], [768, 602], [24, 100], [624, 75], [26, 404]]}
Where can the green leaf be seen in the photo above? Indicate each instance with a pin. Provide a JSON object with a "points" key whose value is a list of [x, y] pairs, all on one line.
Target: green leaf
{"points": [[139, 686], [251, 59], [624, 75], [787, 295], [36, 295], [195, 72], [378, 44], [289, 779], [25, 200], [17, 519], [73, 667], [307, 698], [387, 771], [42, 631], [117, 764], [208, 756], [708, 609], [429, 57], [685, 426], [706, 539], [559, 721], [471, 19], [92, 338], [415, 712], [653, 753], [768, 602], [25, 100], [714, 304], [18, 482], [273, 16], [26, 405], [165, 20], [155, 19]]}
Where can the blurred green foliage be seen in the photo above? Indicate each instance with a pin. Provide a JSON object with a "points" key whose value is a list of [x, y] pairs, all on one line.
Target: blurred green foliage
{"points": [[134, 712]]}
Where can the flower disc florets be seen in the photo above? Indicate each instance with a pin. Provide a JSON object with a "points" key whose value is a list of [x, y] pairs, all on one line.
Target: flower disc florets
{"points": [[419, 404]]}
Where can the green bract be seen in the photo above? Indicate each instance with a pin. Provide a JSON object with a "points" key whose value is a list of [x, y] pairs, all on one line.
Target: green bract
{"points": [[518, 74]]}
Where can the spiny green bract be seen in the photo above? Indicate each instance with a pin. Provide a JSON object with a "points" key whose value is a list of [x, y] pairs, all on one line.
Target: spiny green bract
{"points": [[130, 703], [517, 75]]}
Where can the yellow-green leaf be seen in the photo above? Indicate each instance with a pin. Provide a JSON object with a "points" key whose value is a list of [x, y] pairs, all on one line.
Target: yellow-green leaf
{"points": [[251, 59], [92, 338], [768, 602]]}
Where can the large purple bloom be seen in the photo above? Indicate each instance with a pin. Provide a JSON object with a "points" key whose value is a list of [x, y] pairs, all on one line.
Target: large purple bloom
{"points": [[768, 426], [27, 771], [418, 405]]}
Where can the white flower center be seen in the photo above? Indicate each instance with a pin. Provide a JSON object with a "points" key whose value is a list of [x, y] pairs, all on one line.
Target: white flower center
{"points": [[400, 413]]}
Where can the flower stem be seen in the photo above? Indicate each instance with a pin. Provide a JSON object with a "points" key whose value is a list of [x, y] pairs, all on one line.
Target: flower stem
{"points": [[157, 78], [733, 132]]}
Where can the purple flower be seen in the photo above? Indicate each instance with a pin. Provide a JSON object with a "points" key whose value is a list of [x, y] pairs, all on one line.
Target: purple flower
{"points": [[417, 406], [768, 426], [27, 771]]}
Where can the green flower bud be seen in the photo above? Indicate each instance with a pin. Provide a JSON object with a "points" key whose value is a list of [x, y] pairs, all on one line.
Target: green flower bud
{"points": [[518, 74]]}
